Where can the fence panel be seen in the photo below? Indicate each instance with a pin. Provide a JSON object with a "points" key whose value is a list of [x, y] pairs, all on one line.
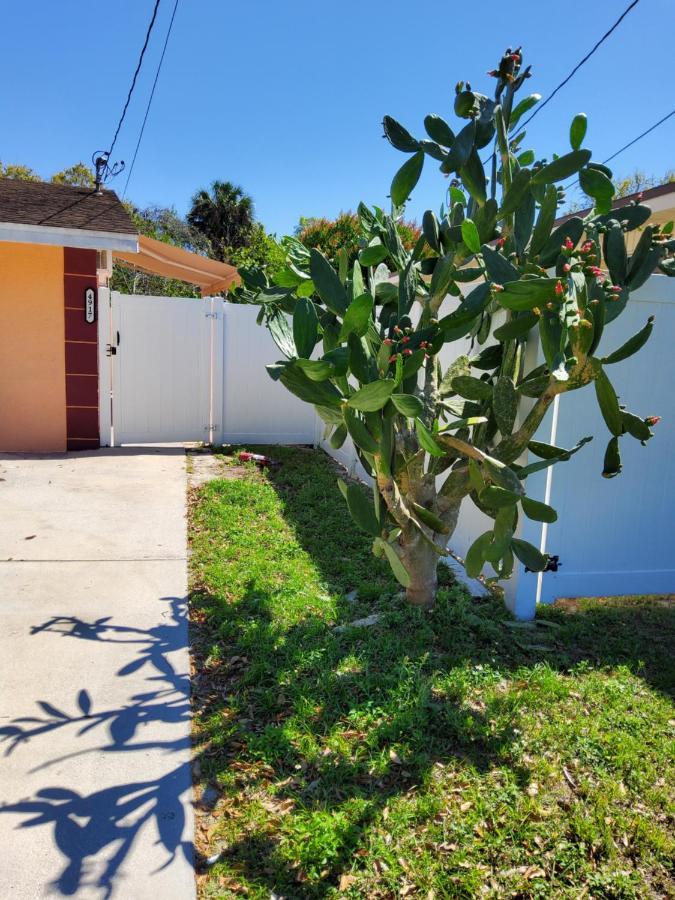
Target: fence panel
{"points": [[256, 409], [614, 536]]}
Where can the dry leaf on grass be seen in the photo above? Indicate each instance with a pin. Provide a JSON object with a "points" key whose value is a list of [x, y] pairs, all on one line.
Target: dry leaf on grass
{"points": [[346, 881], [447, 847], [278, 807]]}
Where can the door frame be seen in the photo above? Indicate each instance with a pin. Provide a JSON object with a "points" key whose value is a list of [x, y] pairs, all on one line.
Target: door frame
{"points": [[106, 433]]}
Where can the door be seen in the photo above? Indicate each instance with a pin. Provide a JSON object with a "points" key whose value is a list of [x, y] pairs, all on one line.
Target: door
{"points": [[161, 357]]}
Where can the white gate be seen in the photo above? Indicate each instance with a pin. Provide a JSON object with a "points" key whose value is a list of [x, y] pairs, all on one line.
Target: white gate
{"points": [[174, 369], [159, 354]]}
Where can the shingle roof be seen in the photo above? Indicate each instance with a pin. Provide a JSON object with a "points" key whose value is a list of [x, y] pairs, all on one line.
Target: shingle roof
{"points": [[62, 206]]}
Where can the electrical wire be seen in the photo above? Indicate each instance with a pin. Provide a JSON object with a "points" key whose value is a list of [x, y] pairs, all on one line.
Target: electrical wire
{"points": [[133, 81], [640, 136], [90, 193], [580, 63], [152, 94], [575, 69], [124, 112]]}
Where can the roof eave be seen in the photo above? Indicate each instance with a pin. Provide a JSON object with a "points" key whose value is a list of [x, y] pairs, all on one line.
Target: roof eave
{"points": [[68, 237], [659, 198]]}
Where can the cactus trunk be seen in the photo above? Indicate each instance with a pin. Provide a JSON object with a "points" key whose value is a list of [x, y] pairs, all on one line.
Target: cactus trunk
{"points": [[421, 562]]}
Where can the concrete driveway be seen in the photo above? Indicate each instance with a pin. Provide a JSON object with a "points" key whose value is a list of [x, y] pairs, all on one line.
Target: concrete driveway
{"points": [[95, 786]]}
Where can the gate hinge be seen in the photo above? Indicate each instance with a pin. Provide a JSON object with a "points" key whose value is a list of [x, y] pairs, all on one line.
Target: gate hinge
{"points": [[211, 315], [110, 350], [213, 427]]}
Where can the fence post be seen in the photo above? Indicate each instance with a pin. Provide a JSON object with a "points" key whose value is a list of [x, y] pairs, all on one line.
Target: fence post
{"points": [[104, 368]]}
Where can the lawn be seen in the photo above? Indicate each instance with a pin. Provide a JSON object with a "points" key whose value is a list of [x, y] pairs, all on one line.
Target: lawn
{"points": [[440, 755]]}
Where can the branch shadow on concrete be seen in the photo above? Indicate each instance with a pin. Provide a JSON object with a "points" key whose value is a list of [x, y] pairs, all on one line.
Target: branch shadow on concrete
{"points": [[96, 830]]}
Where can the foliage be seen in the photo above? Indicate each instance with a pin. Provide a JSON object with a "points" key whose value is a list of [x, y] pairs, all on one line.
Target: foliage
{"points": [[224, 215], [263, 250], [639, 181], [79, 175], [20, 173], [332, 235], [165, 224], [496, 248], [448, 754], [128, 280], [162, 224], [626, 186]]}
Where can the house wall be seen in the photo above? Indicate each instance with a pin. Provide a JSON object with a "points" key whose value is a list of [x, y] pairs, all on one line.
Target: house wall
{"points": [[32, 356]]}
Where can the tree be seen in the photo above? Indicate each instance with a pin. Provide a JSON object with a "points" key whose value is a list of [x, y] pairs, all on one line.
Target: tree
{"points": [[224, 215], [20, 173], [332, 236], [625, 187], [262, 251], [163, 224], [639, 181], [434, 435], [79, 175]]}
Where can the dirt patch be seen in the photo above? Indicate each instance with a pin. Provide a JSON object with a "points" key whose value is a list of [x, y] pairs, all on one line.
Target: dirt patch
{"points": [[576, 605], [205, 467]]}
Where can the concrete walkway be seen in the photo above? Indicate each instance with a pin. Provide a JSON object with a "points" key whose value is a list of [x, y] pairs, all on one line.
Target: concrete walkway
{"points": [[95, 784]]}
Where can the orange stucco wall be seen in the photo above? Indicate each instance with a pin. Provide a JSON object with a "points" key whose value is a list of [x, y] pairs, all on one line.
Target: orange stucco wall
{"points": [[32, 354]]}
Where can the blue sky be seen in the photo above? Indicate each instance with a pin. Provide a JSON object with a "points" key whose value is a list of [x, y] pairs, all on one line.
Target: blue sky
{"points": [[286, 98]]}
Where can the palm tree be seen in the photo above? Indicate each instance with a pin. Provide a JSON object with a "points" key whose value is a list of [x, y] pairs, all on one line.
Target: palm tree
{"points": [[224, 215]]}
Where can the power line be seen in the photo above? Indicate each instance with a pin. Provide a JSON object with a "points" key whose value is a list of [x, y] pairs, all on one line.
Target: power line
{"points": [[640, 136], [581, 62], [107, 154], [575, 69], [152, 94], [90, 193], [133, 82]]}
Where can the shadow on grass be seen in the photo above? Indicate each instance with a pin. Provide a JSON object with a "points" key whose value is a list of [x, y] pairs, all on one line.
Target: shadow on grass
{"points": [[635, 631], [345, 722], [332, 726]]}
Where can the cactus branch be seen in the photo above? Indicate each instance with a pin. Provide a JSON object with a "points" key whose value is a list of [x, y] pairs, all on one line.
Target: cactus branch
{"points": [[510, 448]]}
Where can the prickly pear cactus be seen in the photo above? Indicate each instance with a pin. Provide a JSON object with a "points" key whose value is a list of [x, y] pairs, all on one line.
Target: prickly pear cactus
{"points": [[362, 344]]}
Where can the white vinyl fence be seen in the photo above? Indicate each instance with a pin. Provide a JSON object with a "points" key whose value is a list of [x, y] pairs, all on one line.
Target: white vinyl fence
{"points": [[613, 536], [195, 370], [191, 370]]}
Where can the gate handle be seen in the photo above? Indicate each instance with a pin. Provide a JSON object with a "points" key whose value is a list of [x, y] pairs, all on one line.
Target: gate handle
{"points": [[118, 338]]}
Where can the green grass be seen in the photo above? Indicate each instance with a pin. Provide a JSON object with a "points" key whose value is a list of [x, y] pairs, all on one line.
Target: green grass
{"points": [[436, 755]]}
